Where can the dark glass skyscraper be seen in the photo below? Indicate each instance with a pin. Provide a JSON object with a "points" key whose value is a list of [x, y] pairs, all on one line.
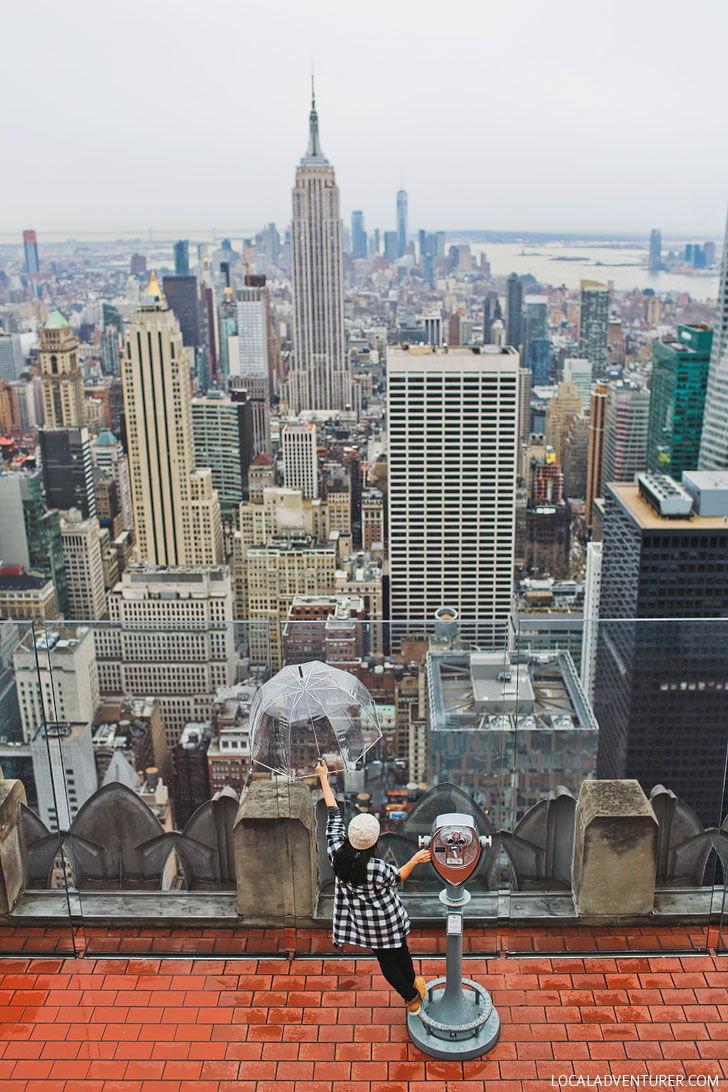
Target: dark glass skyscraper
{"points": [[182, 298], [536, 344], [514, 311], [67, 470], [182, 258], [677, 400], [660, 695]]}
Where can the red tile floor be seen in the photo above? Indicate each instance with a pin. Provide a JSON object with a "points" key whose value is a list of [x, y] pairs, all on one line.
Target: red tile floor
{"points": [[318, 1025]]}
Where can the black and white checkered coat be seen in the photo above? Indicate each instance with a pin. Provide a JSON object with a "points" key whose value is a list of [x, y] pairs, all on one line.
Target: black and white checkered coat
{"points": [[372, 914]]}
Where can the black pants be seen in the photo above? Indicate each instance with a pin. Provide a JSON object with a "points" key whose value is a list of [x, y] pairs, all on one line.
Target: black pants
{"points": [[396, 966]]}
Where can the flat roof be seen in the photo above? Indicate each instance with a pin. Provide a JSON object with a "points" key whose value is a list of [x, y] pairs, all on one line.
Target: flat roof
{"points": [[629, 497]]}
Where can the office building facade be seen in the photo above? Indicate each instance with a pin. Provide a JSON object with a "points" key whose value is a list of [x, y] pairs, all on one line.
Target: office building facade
{"points": [[182, 295], [678, 385], [659, 684], [453, 430], [81, 540], [514, 311], [176, 510], [30, 535], [67, 469], [625, 432], [173, 640], [300, 457], [593, 323]]}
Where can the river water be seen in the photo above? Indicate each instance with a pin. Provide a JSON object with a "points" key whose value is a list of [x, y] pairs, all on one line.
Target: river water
{"points": [[567, 264]]}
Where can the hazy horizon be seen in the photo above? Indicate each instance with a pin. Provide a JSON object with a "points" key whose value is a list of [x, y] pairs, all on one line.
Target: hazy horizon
{"points": [[524, 118]]}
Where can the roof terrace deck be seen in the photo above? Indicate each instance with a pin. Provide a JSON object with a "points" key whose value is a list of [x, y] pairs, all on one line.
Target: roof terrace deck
{"points": [[318, 1025]]}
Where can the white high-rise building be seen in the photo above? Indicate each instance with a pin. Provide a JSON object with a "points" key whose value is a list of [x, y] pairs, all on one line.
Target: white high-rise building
{"points": [[81, 540], [58, 679], [320, 378], [12, 357], [590, 635], [173, 641], [252, 333], [714, 438], [64, 770], [579, 371], [300, 457], [453, 429], [176, 510]]}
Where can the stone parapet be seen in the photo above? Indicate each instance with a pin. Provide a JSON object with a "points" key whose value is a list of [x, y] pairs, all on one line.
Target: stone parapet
{"points": [[12, 871], [615, 850]]}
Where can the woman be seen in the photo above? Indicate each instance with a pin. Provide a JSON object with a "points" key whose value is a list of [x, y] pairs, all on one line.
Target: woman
{"points": [[367, 908]]}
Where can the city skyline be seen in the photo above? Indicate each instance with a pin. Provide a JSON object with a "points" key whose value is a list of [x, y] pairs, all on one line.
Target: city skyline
{"points": [[609, 185]]}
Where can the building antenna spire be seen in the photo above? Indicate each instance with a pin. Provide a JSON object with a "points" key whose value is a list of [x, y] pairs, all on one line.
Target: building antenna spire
{"points": [[314, 141]]}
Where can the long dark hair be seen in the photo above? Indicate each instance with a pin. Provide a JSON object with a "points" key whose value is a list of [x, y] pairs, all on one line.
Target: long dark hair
{"points": [[350, 865]]}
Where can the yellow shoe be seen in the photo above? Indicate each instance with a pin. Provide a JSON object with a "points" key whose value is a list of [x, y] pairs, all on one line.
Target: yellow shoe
{"points": [[414, 1006], [420, 986]]}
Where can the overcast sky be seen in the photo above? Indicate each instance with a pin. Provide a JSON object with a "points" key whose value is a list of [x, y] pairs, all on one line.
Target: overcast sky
{"points": [[186, 114]]}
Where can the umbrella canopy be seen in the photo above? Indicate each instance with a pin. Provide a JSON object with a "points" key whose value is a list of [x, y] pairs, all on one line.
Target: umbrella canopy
{"points": [[311, 711]]}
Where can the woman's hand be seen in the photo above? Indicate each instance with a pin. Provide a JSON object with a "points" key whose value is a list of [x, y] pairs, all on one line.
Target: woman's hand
{"points": [[322, 770], [423, 856]]}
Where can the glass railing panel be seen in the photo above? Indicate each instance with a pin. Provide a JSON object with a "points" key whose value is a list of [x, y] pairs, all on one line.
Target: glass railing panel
{"points": [[432, 757], [647, 703], [153, 734], [31, 754]]}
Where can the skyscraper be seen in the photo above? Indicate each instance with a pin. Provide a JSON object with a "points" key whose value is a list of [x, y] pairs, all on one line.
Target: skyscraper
{"points": [[320, 377], [453, 427], [655, 260], [625, 432], [358, 235], [182, 258], [176, 510], [714, 441], [84, 567], [61, 374], [593, 320], [579, 371], [252, 334], [536, 344], [401, 222], [30, 246], [595, 463], [109, 458], [183, 298], [223, 435], [659, 689], [12, 358], [30, 535], [677, 400], [68, 477], [514, 308], [300, 457]]}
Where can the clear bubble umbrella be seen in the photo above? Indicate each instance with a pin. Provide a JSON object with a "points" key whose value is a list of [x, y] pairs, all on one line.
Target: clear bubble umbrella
{"points": [[308, 712]]}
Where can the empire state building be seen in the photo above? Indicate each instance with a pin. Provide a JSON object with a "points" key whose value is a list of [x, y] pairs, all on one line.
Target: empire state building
{"points": [[321, 377]]}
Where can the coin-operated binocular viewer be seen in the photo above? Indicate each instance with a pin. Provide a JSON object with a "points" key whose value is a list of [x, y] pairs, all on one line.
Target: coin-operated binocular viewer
{"points": [[457, 1018]]}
